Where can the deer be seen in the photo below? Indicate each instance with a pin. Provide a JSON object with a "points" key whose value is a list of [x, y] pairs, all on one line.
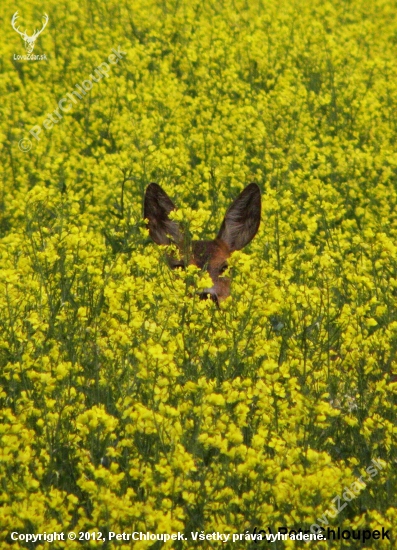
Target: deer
{"points": [[29, 40], [239, 227]]}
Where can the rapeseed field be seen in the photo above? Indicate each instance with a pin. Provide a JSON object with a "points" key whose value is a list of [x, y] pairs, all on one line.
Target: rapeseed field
{"points": [[127, 403]]}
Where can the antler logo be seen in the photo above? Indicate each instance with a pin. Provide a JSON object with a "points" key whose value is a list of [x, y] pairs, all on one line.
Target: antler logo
{"points": [[29, 40]]}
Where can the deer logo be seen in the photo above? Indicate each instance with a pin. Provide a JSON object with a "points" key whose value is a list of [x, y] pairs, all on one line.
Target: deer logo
{"points": [[238, 228], [29, 40]]}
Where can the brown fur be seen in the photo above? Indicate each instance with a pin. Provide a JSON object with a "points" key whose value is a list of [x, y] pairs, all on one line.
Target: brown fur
{"points": [[238, 228]]}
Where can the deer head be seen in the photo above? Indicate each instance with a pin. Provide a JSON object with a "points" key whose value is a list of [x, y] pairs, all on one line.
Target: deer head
{"points": [[29, 40], [238, 228]]}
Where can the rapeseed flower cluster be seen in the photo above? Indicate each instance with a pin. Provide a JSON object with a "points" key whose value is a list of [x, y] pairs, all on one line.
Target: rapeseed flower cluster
{"points": [[127, 403]]}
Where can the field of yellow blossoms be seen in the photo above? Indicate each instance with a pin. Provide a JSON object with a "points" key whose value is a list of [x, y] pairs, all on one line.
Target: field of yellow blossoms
{"points": [[128, 404]]}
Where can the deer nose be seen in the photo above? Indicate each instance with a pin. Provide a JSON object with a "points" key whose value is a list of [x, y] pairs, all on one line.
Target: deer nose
{"points": [[209, 293]]}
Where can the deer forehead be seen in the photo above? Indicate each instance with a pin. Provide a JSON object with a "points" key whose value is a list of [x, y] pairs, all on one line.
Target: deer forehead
{"points": [[210, 253]]}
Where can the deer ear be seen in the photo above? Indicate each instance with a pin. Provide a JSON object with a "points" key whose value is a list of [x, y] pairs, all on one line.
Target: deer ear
{"points": [[157, 206], [242, 219]]}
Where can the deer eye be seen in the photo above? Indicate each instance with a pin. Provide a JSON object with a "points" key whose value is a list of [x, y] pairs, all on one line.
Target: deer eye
{"points": [[223, 268], [176, 266]]}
